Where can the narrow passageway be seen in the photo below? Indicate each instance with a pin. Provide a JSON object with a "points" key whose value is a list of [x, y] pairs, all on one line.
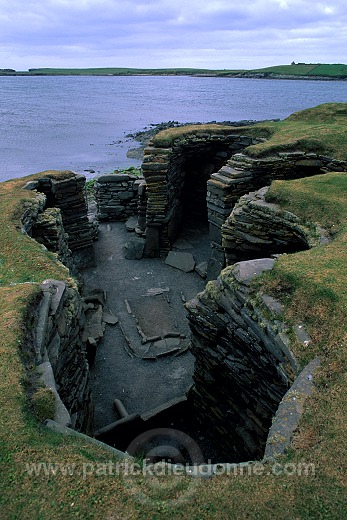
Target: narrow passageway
{"points": [[148, 295]]}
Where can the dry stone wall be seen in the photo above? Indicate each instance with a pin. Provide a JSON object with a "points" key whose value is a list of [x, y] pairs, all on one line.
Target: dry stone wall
{"points": [[117, 196], [65, 191], [243, 362], [48, 229], [211, 166], [60, 353], [243, 174], [167, 172], [255, 227], [60, 324]]}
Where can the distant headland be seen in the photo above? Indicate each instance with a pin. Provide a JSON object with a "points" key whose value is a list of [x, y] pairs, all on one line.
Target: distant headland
{"points": [[310, 71]]}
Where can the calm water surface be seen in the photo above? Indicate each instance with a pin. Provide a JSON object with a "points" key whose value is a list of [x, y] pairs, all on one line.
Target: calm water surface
{"points": [[81, 122]]}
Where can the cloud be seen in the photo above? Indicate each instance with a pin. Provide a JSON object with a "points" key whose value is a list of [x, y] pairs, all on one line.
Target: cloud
{"points": [[164, 33]]}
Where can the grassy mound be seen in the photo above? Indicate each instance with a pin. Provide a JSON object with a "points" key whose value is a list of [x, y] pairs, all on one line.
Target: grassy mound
{"points": [[321, 129]]}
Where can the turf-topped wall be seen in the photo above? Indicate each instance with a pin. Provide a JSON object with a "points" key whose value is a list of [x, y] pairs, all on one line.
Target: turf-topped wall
{"points": [[202, 174], [242, 347], [56, 217], [243, 363]]}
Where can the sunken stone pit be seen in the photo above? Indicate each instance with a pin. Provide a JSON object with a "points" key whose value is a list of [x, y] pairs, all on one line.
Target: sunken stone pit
{"points": [[234, 348]]}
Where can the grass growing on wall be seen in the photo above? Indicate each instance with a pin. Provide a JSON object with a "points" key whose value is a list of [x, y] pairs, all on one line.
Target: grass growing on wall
{"points": [[312, 285], [317, 278], [321, 130]]}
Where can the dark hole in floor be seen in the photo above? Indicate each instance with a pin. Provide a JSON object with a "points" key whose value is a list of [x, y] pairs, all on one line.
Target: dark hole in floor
{"points": [[172, 435]]}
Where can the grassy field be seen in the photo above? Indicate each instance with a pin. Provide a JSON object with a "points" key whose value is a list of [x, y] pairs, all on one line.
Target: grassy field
{"points": [[306, 69], [115, 71], [332, 71], [312, 285]]}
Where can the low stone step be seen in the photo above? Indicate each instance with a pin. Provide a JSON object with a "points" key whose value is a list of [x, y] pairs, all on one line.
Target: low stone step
{"points": [[232, 173]]}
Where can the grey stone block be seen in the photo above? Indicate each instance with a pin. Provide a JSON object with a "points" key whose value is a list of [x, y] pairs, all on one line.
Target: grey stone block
{"points": [[183, 261], [201, 269], [133, 250], [61, 415]]}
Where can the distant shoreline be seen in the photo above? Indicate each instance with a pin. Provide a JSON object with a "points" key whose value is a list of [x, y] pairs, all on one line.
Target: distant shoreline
{"points": [[300, 71]]}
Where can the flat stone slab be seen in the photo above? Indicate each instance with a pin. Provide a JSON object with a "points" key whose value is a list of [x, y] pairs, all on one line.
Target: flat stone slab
{"points": [[109, 318], [201, 269], [94, 327], [168, 343], [247, 270], [131, 223], [182, 243], [290, 411], [183, 261], [113, 177]]}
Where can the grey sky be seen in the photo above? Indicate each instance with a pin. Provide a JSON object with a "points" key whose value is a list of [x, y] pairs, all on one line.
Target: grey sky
{"points": [[171, 33]]}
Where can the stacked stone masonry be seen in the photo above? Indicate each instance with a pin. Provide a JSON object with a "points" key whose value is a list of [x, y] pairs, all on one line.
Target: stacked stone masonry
{"points": [[181, 172], [256, 227], [66, 191], [243, 364], [58, 326], [48, 229], [59, 320], [117, 196], [243, 174]]}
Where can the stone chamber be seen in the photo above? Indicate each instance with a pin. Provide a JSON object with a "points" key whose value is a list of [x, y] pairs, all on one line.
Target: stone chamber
{"points": [[241, 364]]}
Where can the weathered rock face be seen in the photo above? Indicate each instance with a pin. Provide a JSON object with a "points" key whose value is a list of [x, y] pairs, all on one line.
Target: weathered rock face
{"points": [[243, 364], [256, 227], [117, 196], [58, 324]]}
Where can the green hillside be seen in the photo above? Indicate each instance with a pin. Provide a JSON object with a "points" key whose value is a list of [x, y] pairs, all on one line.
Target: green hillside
{"points": [[333, 71], [304, 69]]}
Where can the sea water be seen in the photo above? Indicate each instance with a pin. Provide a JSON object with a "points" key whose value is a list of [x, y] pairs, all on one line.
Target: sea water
{"points": [[82, 123]]}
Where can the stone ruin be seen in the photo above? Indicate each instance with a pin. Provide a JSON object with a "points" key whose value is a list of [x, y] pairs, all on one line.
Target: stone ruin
{"points": [[243, 362]]}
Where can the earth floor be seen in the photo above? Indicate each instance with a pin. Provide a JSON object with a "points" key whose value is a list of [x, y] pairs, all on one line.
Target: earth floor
{"points": [[149, 294]]}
